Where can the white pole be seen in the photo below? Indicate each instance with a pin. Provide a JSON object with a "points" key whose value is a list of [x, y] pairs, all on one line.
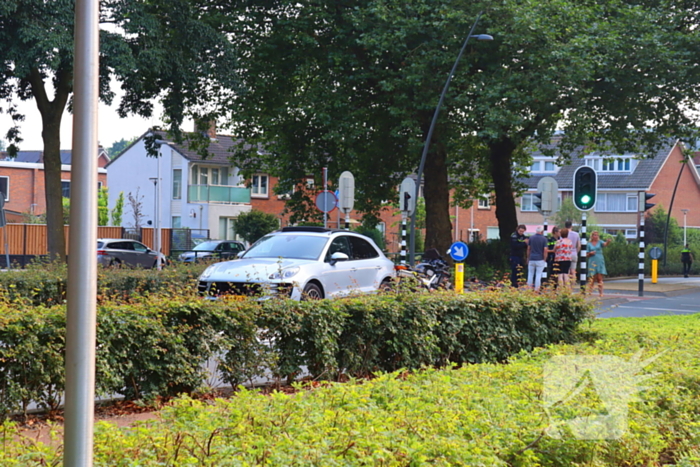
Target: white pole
{"points": [[685, 227], [157, 229], [81, 320]]}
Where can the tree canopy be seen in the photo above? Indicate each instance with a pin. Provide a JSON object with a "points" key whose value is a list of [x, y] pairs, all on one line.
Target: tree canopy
{"points": [[174, 50], [352, 85]]}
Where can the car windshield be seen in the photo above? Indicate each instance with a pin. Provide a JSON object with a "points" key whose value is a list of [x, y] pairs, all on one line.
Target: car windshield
{"points": [[287, 246], [206, 246]]}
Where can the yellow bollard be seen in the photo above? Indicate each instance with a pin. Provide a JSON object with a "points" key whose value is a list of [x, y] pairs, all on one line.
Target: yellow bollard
{"points": [[654, 271], [459, 277]]}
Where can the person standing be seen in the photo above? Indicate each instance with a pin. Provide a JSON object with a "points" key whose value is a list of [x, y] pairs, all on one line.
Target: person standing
{"points": [[562, 258], [551, 243], [687, 260], [518, 248], [536, 254], [596, 261], [576, 242]]}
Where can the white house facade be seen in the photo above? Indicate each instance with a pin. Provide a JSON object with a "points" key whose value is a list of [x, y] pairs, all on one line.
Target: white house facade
{"points": [[193, 192]]}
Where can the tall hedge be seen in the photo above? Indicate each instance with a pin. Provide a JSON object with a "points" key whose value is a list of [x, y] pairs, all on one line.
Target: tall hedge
{"points": [[159, 345]]}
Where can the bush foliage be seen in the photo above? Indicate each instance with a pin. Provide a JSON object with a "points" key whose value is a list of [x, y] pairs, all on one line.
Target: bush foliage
{"points": [[158, 345], [475, 415]]}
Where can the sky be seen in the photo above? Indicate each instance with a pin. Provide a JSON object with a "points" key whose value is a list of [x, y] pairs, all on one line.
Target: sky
{"points": [[110, 129]]}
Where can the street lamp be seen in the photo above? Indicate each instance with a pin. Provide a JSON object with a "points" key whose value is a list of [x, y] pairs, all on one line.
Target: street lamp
{"points": [[685, 214], [156, 217], [426, 145]]}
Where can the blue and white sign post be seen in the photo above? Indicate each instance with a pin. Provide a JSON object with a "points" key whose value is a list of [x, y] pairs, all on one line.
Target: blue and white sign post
{"points": [[459, 252]]}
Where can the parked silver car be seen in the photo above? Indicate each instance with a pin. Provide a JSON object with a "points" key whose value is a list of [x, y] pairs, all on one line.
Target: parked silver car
{"points": [[219, 249], [301, 262], [117, 252]]}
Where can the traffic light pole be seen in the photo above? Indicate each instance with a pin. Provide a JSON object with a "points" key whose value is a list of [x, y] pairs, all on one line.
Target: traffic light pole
{"points": [[583, 267], [641, 254]]}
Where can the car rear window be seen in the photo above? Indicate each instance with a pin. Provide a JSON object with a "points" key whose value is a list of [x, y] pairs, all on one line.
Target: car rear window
{"points": [[100, 245]]}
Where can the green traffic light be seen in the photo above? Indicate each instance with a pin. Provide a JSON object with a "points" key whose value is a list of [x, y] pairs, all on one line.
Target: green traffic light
{"points": [[585, 199]]}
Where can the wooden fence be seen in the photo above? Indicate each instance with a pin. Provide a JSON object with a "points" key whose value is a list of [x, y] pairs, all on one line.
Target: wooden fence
{"points": [[31, 239]]}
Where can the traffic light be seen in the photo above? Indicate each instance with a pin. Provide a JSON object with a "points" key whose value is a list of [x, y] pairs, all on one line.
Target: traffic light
{"points": [[643, 205], [585, 188], [537, 201]]}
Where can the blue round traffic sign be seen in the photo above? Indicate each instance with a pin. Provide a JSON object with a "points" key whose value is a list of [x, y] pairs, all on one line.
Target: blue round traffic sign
{"points": [[459, 251]]}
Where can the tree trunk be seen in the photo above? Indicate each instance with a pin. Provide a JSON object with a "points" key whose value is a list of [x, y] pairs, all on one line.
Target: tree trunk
{"points": [[51, 114], [501, 159], [438, 232]]}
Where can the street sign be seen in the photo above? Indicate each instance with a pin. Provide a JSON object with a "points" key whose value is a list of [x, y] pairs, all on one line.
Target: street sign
{"points": [[459, 251], [346, 196], [407, 202], [655, 252], [326, 201], [549, 188]]}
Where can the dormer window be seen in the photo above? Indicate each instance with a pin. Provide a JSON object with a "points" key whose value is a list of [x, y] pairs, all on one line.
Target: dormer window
{"points": [[624, 164]]}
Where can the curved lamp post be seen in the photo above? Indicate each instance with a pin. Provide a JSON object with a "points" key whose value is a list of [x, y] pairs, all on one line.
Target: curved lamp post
{"points": [[426, 146]]}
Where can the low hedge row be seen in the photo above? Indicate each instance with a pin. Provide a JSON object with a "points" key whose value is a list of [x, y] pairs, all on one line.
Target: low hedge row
{"points": [[157, 345], [476, 415], [45, 283]]}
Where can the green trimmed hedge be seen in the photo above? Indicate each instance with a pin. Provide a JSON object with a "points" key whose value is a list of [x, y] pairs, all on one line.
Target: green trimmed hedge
{"points": [[475, 415], [157, 345], [45, 283]]}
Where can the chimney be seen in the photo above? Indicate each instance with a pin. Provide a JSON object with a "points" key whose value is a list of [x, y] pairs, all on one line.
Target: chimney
{"points": [[210, 126]]}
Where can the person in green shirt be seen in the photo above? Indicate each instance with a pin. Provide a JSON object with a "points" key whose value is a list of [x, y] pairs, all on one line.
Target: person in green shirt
{"points": [[687, 260]]}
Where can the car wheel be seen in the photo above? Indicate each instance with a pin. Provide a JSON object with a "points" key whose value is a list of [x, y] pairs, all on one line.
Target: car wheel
{"points": [[312, 292], [386, 286]]}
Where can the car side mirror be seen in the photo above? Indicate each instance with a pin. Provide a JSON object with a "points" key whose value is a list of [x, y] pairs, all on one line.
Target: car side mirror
{"points": [[338, 256]]}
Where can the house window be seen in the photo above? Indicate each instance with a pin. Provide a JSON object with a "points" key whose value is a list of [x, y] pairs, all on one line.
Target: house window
{"points": [[259, 185], [526, 203], [535, 167], [484, 203], [492, 233], [616, 165], [616, 202], [549, 166], [65, 188], [202, 175], [5, 187], [176, 222], [177, 183]]}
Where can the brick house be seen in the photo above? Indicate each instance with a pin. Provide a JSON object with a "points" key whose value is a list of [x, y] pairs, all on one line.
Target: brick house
{"points": [[22, 181], [620, 179]]}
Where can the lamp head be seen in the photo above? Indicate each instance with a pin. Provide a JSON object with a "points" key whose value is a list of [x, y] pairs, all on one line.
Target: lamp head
{"points": [[483, 37]]}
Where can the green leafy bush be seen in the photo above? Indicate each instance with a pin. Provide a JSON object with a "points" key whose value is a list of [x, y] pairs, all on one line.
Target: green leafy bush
{"points": [[475, 415], [45, 283], [156, 345]]}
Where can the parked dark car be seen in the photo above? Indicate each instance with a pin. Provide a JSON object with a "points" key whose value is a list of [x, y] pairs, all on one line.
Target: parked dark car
{"points": [[210, 249], [117, 252]]}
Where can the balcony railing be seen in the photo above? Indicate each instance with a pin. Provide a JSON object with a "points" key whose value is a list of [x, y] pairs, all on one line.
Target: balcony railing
{"points": [[218, 194]]}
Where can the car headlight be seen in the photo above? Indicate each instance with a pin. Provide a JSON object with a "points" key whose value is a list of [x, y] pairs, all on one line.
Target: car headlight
{"points": [[284, 273], [208, 271]]}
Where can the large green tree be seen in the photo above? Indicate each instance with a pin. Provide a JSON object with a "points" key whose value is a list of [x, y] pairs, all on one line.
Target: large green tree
{"points": [[174, 50], [353, 84]]}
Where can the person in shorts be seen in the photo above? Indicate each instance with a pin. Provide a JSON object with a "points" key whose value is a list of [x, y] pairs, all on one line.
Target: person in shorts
{"points": [[576, 242], [562, 258]]}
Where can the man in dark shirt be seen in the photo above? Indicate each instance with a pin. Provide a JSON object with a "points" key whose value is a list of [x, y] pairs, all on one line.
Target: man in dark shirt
{"points": [[687, 260], [551, 242], [518, 248], [536, 255]]}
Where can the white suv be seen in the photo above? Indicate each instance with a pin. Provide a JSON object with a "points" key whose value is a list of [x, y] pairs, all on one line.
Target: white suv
{"points": [[301, 262]]}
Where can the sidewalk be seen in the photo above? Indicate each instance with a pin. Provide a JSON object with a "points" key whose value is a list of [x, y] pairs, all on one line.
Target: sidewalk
{"points": [[667, 286]]}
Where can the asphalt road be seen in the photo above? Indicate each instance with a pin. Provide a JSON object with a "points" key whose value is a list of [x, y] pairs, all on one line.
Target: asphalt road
{"points": [[630, 306]]}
